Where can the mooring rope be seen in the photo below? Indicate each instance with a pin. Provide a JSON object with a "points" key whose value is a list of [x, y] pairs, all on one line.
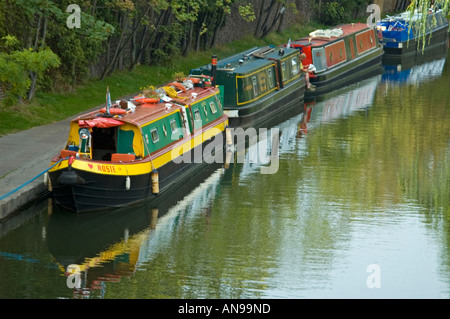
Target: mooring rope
{"points": [[28, 182]]}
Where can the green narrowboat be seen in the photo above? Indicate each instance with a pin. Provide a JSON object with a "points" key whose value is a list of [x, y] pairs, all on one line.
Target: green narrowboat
{"points": [[259, 83], [139, 148]]}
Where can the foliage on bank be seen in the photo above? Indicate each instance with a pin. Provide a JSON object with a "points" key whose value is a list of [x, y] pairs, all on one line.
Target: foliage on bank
{"points": [[47, 107], [41, 53], [113, 34]]}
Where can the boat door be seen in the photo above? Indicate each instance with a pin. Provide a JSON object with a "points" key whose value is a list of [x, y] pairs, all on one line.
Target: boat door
{"points": [[104, 143]]}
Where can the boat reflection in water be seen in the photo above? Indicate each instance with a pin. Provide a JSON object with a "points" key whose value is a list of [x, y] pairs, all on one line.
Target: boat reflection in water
{"points": [[107, 246], [417, 69], [340, 104], [324, 109]]}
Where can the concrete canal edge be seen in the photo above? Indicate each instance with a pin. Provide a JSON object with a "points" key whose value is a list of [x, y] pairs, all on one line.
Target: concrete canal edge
{"points": [[18, 200], [25, 155]]}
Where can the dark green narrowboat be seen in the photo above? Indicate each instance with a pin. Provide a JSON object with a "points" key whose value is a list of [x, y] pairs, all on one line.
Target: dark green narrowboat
{"points": [[259, 83]]}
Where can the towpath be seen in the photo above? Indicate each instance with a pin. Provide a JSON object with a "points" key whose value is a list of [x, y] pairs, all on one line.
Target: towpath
{"points": [[23, 156]]}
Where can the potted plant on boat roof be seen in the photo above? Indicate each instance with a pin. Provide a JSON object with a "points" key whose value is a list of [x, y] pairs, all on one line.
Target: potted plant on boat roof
{"points": [[179, 76], [150, 92]]}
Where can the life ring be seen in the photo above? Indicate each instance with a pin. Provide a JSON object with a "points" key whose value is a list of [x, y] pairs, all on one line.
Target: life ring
{"points": [[141, 99], [114, 111], [150, 100]]}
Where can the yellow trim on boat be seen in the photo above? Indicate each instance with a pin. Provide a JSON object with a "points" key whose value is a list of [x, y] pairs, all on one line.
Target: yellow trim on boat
{"points": [[257, 98], [139, 168], [294, 78]]}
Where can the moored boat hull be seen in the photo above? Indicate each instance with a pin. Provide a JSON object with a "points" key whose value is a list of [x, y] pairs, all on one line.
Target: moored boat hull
{"points": [[259, 83], [408, 50], [335, 79], [139, 149], [96, 192], [264, 111], [402, 35], [338, 57]]}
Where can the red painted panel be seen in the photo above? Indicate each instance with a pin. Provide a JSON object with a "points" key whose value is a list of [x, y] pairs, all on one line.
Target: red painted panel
{"points": [[335, 53], [365, 41]]}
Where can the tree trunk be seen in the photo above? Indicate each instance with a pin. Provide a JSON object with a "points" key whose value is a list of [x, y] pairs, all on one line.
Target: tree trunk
{"points": [[145, 42], [188, 40], [266, 29], [159, 35], [319, 9], [110, 67], [260, 19], [217, 27], [33, 76]]}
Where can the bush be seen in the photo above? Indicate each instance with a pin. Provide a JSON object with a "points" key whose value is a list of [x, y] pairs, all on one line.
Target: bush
{"points": [[16, 65], [334, 13]]}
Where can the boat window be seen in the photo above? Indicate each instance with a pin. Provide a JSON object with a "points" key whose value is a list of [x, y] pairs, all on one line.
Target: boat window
{"points": [[155, 135], [271, 79], [197, 116], [439, 19], [245, 89], [255, 86], [164, 130], [197, 119], [204, 110], [213, 108], [173, 126], [319, 59], [283, 69], [295, 66], [262, 76], [432, 22]]}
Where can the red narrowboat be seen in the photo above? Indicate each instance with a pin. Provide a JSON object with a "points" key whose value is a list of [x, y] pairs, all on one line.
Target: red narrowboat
{"points": [[340, 56]]}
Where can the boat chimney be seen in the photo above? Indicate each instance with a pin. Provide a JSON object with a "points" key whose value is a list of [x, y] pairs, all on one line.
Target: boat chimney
{"points": [[213, 70]]}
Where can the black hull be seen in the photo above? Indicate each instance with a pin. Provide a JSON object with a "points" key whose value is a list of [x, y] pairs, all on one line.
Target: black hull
{"points": [[73, 238], [413, 48], [101, 191], [357, 70], [276, 105]]}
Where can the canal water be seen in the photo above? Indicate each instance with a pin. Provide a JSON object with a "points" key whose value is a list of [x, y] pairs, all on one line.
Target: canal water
{"points": [[357, 207]]}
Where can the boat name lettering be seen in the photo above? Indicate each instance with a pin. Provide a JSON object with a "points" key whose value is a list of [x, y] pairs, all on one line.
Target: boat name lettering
{"points": [[106, 168]]}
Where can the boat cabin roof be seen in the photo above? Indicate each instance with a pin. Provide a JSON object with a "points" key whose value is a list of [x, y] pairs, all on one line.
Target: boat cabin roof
{"points": [[347, 29], [148, 112], [252, 59]]}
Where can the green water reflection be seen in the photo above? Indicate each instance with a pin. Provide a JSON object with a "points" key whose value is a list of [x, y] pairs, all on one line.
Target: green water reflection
{"points": [[363, 179]]}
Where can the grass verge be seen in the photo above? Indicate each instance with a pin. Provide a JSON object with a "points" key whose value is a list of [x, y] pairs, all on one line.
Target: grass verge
{"points": [[48, 107]]}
